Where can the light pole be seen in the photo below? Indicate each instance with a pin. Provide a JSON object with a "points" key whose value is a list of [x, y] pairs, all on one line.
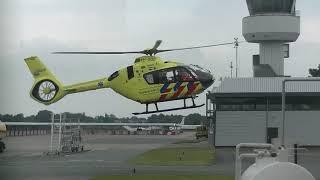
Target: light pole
{"points": [[231, 68], [236, 45]]}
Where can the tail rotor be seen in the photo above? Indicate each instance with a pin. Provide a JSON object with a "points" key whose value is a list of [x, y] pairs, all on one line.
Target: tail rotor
{"points": [[45, 90]]}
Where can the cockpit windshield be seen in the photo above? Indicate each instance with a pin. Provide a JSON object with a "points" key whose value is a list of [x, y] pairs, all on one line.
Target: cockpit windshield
{"points": [[196, 68]]}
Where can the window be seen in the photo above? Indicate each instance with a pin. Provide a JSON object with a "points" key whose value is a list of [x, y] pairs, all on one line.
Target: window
{"points": [[163, 76], [269, 6], [195, 76], [198, 68], [152, 77], [274, 103], [130, 72], [170, 75], [183, 75], [113, 75], [149, 78], [160, 76]]}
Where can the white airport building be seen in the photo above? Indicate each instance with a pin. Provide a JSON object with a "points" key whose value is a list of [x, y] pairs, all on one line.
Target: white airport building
{"points": [[249, 110], [243, 110]]}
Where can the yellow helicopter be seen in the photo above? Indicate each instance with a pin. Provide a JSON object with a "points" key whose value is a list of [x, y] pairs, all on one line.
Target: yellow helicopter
{"points": [[149, 80]]}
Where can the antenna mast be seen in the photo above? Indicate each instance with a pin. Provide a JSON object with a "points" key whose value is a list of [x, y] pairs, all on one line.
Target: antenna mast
{"points": [[236, 45]]}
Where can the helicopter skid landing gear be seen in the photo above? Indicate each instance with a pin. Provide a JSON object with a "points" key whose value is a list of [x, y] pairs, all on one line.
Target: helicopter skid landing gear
{"points": [[172, 109]]}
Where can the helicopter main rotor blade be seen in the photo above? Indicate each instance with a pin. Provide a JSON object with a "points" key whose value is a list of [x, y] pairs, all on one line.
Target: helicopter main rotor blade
{"points": [[157, 44], [194, 47], [150, 52], [102, 52]]}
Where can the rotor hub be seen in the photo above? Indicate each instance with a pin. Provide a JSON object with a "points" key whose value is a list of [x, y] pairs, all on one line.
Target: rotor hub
{"points": [[47, 90]]}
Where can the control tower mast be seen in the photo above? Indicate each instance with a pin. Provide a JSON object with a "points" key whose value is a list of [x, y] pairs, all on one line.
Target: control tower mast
{"points": [[271, 23]]}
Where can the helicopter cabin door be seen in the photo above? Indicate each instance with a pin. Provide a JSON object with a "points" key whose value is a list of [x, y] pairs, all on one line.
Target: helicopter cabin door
{"points": [[174, 82]]}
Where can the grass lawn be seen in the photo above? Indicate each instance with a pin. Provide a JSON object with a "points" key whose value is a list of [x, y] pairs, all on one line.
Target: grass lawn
{"points": [[176, 156], [164, 177], [189, 141]]}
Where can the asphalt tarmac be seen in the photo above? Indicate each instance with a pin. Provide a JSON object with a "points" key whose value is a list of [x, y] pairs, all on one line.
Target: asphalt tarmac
{"points": [[108, 154]]}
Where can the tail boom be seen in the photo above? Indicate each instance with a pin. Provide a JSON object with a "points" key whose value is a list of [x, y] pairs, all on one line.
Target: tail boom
{"points": [[87, 86], [47, 89]]}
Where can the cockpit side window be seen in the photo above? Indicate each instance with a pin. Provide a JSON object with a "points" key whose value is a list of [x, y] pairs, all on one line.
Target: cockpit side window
{"points": [[193, 73], [183, 75], [149, 78], [160, 76], [171, 75], [198, 68]]}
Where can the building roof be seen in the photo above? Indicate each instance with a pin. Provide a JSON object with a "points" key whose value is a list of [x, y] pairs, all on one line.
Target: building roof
{"points": [[266, 85]]}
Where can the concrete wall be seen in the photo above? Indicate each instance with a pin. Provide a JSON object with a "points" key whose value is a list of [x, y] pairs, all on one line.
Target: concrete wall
{"points": [[233, 127], [27, 131], [32, 131], [303, 127]]}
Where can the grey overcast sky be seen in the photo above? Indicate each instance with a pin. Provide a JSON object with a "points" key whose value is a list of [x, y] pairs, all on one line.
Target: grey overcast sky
{"points": [[39, 27]]}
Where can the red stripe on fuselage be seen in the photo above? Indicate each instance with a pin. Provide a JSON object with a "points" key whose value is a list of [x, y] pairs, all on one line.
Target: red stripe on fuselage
{"points": [[191, 88], [163, 97], [176, 94]]}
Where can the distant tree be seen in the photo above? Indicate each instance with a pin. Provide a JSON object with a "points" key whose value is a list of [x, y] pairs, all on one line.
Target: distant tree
{"points": [[315, 72], [18, 118], [6, 118], [161, 118], [99, 119], [113, 118], [194, 119], [43, 116], [156, 118], [135, 119], [30, 118]]}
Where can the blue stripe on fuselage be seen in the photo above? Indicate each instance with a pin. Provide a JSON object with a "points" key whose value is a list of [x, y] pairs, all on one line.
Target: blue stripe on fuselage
{"points": [[176, 87], [164, 88], [190, 84]]}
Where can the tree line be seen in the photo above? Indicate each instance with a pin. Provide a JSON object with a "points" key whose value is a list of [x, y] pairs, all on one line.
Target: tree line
{"points": [[315, 72], [45, 116]]}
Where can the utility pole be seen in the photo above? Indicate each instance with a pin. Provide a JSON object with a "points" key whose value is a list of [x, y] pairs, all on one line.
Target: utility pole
{"points": [[236, 45], [231, 68]]}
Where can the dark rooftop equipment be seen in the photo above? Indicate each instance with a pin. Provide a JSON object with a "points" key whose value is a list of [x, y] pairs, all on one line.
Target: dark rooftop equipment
{"points": [[271, 6]]}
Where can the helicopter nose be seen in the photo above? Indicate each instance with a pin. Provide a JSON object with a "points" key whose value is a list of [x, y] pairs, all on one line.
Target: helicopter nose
{"points": [[206, 79]]}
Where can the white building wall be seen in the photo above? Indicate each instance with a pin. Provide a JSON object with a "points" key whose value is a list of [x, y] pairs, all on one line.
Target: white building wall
{"points": [[272, 53], [303, 127], [234, 127]]}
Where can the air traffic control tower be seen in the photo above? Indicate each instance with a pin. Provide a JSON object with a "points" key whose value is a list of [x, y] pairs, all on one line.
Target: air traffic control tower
{"points": [[272, 24], [249, 109]]}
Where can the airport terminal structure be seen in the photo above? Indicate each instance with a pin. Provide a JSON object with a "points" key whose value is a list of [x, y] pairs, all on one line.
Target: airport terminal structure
{"points": [[250, 109]]}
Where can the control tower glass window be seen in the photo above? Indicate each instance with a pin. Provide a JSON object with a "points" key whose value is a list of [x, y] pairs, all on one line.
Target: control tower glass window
{"points": [[270, 6]]}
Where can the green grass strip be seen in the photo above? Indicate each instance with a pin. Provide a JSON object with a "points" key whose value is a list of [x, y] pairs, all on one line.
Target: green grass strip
{"points": [[164, 177], [176, 156]]}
